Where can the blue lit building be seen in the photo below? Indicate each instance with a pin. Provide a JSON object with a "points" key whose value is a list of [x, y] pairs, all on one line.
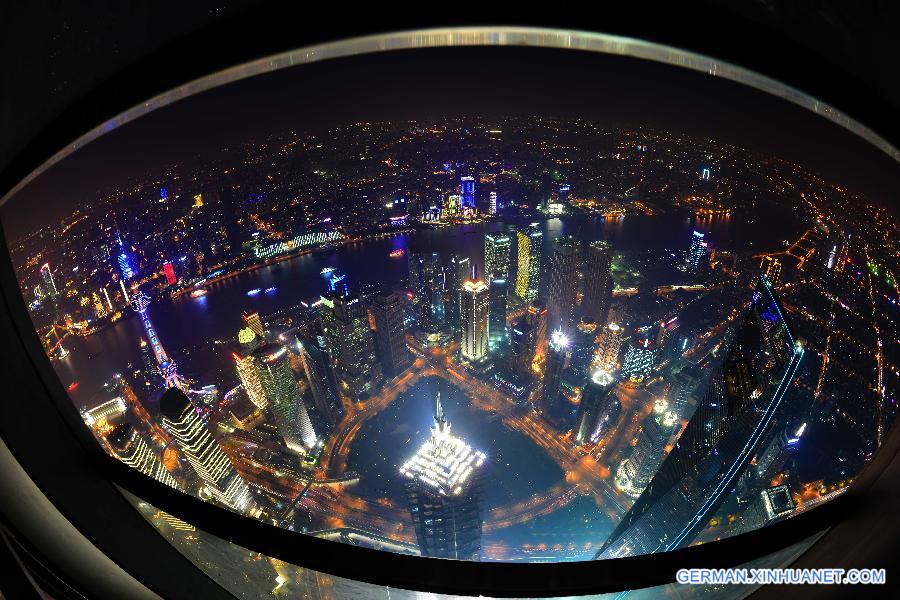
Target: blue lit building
{"points": [[467, 191]]}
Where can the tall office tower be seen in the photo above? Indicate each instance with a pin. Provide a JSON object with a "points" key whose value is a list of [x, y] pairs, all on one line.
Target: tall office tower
{"points": [[421, 307], [283, 397], [219, 478], [445, 490], [131, 449], [599, 408], [537, 317], [493, 205], [474, 320], [497, 331], [771, 268], [458, 271], [609, 344], [649, 451], [467, 191], [126, 266], [639, 359], [433, 290], [583, 343], [777, 451], [249, 375], [563, 284], [693, 259], [497, 255], [388, 311], [528, 276], [521, 346], [321, 381], [722, 437], [558, 354], [47, 281], [252, 320], [684, 384], [598, 284], [350, 344], [167, 368]]}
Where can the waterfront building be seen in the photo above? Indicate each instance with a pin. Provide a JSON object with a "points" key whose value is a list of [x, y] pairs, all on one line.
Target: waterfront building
{"points": [[598, 284], [218, 476], [321, 380], [283, 398], [388, 309], [558, 354], [599, 408], [696, 253], [445, 491], [249, 376], [498, 335], [167, 367], [129, 447], [497, 255], [528, 276], [563, 284], [474, 320], [639, 360], [467, 191], [493, 206], [350, 344], [722, 437]]}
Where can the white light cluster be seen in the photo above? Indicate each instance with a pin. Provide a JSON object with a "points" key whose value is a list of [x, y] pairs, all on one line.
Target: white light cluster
{"points": [[445, 462]]}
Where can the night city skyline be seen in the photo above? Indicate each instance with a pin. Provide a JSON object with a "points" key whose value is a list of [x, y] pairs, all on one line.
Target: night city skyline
{"points": [[625, 92], [458, 311]]}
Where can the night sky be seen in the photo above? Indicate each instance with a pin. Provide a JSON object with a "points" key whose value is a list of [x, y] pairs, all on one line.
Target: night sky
{"points": [[434, 83]]}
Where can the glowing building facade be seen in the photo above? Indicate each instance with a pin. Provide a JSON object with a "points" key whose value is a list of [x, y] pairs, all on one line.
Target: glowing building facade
{"points": [[213, 467], [563, 284], [283, 397], [131, 449], [445, 491], [474, 320], [497, 255], [528, 276], [599, 409], [639, 360]]}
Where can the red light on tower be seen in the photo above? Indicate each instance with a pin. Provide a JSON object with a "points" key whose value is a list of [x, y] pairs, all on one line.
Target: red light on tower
{"points": [[169, 272]]}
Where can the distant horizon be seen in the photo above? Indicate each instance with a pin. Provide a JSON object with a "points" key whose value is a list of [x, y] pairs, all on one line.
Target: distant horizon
{"points": [[474, 82]]}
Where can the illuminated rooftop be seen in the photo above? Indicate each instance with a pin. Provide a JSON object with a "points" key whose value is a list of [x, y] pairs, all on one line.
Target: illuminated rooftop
{"points": [[445, 462]]}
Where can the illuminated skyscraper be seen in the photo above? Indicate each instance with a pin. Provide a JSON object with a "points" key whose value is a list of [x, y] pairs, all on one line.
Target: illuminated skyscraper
{"points": [[458, 271], [321, 381], [563, 284], [131, 449], [445, 490], [249, 376], [126, 266], [684, 384], [467, 191], [696, 253], [639, 359], [350, 344], [493, 207], [390, 333], [609, 344], [474, 320], [521, 346], [497, 255], [283, 397], [598, 282], [252, 320], [48, 283], [722, 437], [167, 367], [558, 353], [537, 317], [528, 276], [498, 335], [649, 451], [771, 268], [599, 408], [219, 478]]}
